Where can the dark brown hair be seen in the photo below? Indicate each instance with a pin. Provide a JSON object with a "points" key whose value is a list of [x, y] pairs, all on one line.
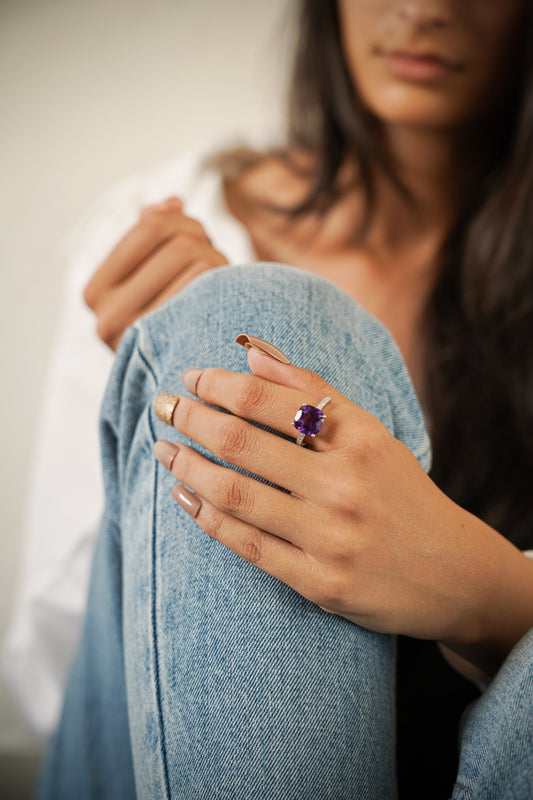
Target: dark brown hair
{"points": [[479, 318]]}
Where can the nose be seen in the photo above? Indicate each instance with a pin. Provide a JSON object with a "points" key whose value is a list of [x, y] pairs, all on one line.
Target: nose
{"points": [[426, 13]]}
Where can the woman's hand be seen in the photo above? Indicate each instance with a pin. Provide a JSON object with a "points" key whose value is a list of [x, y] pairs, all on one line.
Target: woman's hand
{"points": [[151, 263], [361, 530]]}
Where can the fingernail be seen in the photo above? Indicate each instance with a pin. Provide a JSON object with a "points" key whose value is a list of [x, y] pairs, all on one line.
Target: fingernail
{"points": [[174, 202], [190, 378], [190, 502], [262, 346], [165, 452], [170, 204], [164, 406]]}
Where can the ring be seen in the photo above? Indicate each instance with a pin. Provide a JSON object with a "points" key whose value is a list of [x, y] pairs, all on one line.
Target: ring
{"points": [[309, 420], [164, 407]]}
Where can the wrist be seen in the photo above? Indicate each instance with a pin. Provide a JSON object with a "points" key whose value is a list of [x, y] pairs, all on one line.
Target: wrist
{"points": [[501, 610]]}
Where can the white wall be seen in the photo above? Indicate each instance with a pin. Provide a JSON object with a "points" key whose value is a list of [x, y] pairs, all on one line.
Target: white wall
{"points": [[90, 91]]}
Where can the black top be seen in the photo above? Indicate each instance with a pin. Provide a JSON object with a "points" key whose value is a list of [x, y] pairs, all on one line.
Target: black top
{"points": [[431, 699]]}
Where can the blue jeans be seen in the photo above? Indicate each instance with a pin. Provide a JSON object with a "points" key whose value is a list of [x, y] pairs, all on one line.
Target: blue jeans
{"points": [[199, 676]]}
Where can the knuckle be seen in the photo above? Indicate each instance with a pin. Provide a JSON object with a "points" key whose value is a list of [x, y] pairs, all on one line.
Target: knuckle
{"points": [[214, 525], [199, 265], [90, 296], [105, 327], [183, 415], [183, 244], [152, 223], [251, 549], [344, 483], [316, 383], [196, 229], [353, 493], [332, 594], [341, 550], [348, 496], [375, 440], [365, 441], [218, 258], [181, 466], [232, 494], [233, 441], [252, 396], [205, 384]]}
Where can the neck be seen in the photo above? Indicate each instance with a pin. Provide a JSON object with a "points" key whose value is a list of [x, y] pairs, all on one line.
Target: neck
{"points": [[438, 170]]}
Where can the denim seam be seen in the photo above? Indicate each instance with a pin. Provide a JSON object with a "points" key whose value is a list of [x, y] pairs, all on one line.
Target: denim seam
{"points": [[145, 361], [155, 641], [151, 371], [157, 677]]}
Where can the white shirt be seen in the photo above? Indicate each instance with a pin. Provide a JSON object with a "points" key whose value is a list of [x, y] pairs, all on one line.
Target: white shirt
{"points": [[66, 491]]}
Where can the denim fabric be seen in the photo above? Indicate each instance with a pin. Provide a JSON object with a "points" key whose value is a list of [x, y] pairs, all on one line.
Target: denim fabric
{"points": [[497, 737], [199, 676]]}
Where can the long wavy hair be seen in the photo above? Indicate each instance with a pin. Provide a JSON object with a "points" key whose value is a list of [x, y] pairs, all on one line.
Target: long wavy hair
{"points": [[478, 322]]}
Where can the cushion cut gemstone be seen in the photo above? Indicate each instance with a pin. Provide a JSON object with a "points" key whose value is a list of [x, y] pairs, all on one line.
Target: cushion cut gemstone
{"points": [[309, 420]]}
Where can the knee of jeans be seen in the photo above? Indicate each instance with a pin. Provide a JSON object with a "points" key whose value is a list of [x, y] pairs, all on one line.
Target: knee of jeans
{"points": [[312, 321]]}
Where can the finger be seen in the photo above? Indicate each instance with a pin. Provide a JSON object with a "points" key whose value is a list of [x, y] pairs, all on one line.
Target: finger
{"points": [[279, 558], [306, 380], [237, 442], [162, 276], [170, 204], [187, 274], [289, 375], [153, 229], [269, 403], [171, 268], [172, 259], [246, 498], [114, 314]]}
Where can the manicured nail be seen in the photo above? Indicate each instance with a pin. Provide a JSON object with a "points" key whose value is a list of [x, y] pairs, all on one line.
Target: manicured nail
{"points": [[164, 406], [262, 346], [190, 502], [165, 452], [190, 378]]}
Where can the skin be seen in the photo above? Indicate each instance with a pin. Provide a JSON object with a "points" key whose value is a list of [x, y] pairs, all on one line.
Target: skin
{"points": [[477, 40], [413, 562]]}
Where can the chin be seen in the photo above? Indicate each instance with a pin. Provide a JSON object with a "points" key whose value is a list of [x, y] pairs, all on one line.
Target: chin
{"points": [[418, 107]]}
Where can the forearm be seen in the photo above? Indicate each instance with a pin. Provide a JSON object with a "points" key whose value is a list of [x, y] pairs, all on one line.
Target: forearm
{"points": [[502, 604]]}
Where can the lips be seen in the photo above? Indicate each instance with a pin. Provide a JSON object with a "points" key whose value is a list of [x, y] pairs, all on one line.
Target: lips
{"points": [[417, 66]]}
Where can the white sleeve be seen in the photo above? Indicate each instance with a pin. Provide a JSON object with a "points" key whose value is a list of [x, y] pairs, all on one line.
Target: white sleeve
{"points": [[65, 497], [65, 493]]}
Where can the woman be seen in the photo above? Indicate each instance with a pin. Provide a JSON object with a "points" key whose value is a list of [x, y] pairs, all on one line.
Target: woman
{"points": [[375, 203]]}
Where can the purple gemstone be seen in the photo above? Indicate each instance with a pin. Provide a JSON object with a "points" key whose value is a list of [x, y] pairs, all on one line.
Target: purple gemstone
{"points": [[309, 420]]}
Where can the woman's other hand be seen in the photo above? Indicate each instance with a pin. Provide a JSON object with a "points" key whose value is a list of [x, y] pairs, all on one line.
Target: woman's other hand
{"points": [[361, 530], [151, 263]]}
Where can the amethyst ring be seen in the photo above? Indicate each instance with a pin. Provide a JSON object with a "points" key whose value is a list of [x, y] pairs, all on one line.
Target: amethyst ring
{"points": [[309, 420]]}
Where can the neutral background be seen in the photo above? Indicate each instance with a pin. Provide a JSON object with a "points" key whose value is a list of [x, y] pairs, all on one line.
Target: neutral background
{"points": [[91, 91]]}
